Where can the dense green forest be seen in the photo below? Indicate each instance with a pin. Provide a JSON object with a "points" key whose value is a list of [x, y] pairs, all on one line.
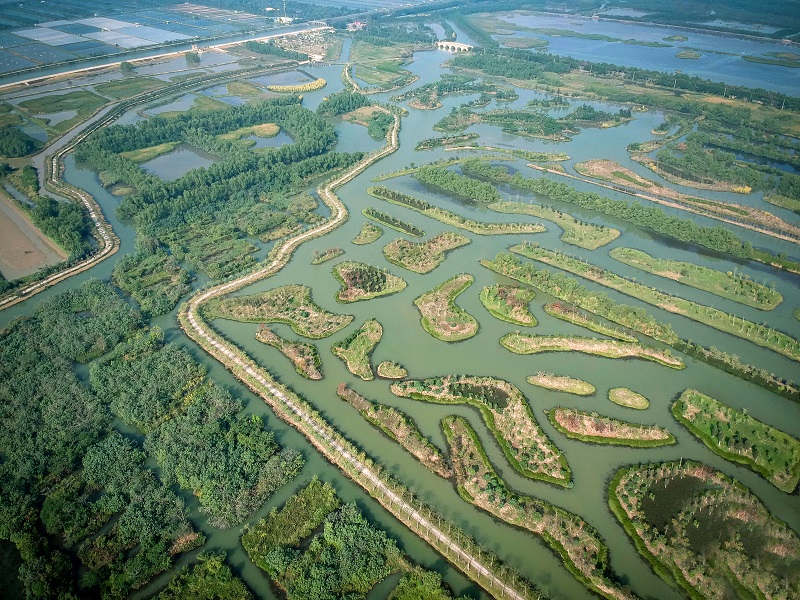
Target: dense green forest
{"points": [[84, 512]]}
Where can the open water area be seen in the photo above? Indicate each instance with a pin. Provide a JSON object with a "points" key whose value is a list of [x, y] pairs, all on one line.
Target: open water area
{"points": [[404, 341]]}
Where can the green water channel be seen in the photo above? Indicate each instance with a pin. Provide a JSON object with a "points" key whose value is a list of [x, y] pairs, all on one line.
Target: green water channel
{"points": [[405, 342]]}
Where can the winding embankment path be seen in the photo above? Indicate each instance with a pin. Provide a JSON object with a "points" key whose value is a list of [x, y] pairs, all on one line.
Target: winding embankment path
{"points": [[477, 565]]}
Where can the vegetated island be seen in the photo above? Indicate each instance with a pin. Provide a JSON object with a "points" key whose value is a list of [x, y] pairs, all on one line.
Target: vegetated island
{"points": [[321, 256], [369, 233], [450, 218], [290, 304], [399, 427], [577, 317], [578, 233], [705, 531], [733, 286], [628, 398], [561, 383], [364, 282], [356, 348], [738, 437], [304, 357], [392, 222], [423, 257], [446, 141], [509, 303], [520, 343], [441, 317], [759, 334], [317, 547], [598, 429], [567, 289], [391, 370], [449, 181], [577, 543], [506, 414], [617, 175]]}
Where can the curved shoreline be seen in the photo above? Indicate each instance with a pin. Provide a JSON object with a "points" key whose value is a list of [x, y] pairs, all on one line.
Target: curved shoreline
{"points": [[297, 413]]}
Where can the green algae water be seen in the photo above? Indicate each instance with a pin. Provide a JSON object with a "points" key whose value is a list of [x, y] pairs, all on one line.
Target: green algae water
{"points": [[405, 342]]}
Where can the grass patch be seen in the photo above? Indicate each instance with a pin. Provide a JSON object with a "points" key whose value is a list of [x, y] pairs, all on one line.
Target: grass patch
{"points": [[363, 282], [441, 317], [507, 415], [142, 155], [369, 233], [264, 130], [577, 233], [628, 398], [290, 304], [733, 286], [304, 357], [509, 303], [561, 383], [519, 343], [391, 370], [597, 429], [423, 257], [83, 102], [738, 437], [129, 87], [356, 348]]}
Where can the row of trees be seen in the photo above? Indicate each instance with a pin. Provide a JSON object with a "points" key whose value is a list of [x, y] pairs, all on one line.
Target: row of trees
{"points": [[651, 217], [466, 187]]}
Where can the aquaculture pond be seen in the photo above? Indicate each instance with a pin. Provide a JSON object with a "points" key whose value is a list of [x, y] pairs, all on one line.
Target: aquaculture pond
{"points": [[404, 341]]}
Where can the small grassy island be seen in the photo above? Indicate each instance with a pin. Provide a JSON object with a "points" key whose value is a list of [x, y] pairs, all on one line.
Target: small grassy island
{"points": [[509, 303], [369, 233], [562, 383], [575, 541], [450, 218], [578, 233], [733, 286], [597, 429], [507, 415], [577, 317], [355, 349], [321, 256], [363, 282], [738, 437], [705, 532], [392, 222], [441, 317], [423, 257], [520, 343], [399, 427], [305, 357], [628, 398], [391, 370], [290, 304]]}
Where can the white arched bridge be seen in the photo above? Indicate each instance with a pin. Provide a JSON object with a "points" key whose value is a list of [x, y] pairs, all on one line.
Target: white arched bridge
{"points": [[454, 46]]}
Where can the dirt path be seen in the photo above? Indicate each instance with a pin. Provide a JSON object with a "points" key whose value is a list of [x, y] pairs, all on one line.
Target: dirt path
{"points": [[297, 413]]}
